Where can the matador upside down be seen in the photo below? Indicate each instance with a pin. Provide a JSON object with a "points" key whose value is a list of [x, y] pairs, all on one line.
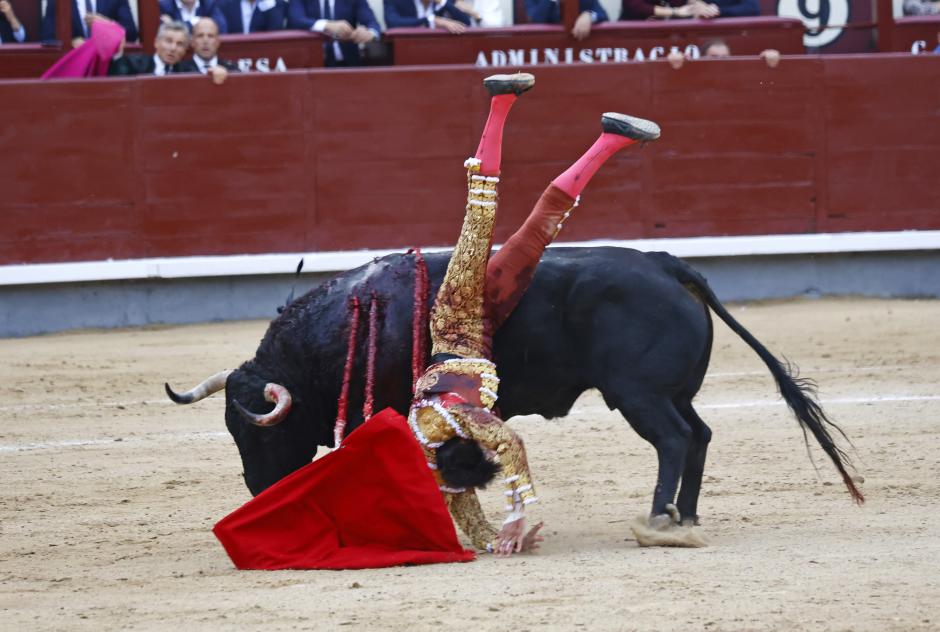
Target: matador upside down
{"points": [[452, 414]]}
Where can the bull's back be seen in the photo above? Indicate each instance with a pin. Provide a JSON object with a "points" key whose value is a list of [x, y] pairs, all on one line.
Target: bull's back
{"points": [[599, 318]]}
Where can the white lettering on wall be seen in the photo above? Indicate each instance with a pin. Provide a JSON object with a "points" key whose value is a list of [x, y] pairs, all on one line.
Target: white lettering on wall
{"points": [[555, 56], [262, 64]]}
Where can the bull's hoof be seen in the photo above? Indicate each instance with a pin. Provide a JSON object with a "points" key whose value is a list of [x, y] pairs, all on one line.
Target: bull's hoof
{"points": [[664, 521], [691, 522]]}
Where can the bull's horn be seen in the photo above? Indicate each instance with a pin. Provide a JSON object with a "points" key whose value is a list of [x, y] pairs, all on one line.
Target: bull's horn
{"points": [[276, 394], [208, 387]]}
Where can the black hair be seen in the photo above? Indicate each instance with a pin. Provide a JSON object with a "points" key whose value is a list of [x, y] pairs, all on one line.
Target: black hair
{"points": [[462, 463]]}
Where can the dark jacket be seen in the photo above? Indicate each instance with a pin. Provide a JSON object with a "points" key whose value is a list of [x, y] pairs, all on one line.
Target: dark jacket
{"points": [[6, 31], [643, 9], [302, 14], [117, 10], [549, 12], [402, 13], [141, 64], [271, 19], [207, 9]]}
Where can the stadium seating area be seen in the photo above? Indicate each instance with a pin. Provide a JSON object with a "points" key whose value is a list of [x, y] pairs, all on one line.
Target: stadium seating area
{"points": [[521, 43]]}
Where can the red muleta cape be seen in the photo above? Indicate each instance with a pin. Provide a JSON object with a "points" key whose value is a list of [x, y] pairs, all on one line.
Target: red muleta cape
{"points": [[371, 504]]}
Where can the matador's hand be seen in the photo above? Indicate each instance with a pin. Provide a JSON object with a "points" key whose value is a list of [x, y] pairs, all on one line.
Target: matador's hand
{"points": [[532, 539], [509, 540]]}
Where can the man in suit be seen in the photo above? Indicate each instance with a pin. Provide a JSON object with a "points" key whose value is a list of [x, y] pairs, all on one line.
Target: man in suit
{"points": [[11, 29], [549, 12], [83, 11], [189, 11], [206, 52], [253, 16], [673, 9], [439, 14], [171, 44], [349, 22]]}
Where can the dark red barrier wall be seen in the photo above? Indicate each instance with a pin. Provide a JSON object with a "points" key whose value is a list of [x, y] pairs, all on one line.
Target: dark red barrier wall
{"points": [[327, 160]]}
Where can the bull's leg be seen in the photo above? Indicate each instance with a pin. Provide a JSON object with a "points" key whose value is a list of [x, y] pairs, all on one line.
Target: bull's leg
{"points": [[694, 463], [511, 269], [657, 420]]}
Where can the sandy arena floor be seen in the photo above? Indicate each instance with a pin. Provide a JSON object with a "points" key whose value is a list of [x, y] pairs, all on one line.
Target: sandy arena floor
{"points": [[110, 491]]}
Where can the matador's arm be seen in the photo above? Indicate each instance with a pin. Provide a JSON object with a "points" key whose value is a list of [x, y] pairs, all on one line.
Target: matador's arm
{"points": [[493, 434], [468, 514]]}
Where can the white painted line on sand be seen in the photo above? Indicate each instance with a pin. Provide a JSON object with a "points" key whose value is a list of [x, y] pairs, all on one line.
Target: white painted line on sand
{"points": [[15, 448], [810, 372], [769, 403], [116, 442], [125, 404]]}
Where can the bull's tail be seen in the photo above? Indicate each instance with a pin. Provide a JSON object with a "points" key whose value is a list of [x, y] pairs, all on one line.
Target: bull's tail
{"points": [[208, 387], [799, 393]]}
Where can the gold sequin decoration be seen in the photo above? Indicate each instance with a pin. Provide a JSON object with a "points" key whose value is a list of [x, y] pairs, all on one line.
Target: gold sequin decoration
{"points": [[456, 318]]}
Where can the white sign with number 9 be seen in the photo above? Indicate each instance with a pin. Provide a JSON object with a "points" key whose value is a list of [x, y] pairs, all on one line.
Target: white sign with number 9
{"points": [[824, 19]]}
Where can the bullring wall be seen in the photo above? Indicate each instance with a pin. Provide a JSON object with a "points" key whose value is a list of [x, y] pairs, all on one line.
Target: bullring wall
{"points": [[342, 160], [118, 190]]}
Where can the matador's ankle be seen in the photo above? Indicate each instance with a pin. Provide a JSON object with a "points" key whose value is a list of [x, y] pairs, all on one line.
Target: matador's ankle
{"points": [[509, 84], [630, 127]]}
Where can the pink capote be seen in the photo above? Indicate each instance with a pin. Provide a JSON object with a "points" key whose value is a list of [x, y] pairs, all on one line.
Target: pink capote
{"points": [[93, 57], [372, 503]]}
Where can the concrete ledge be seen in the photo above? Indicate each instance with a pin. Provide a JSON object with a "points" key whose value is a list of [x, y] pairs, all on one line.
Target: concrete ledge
{"points": [[281, 263], [49, 307]]}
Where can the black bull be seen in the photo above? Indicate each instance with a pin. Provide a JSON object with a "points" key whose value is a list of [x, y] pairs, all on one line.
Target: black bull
{"points": [[636, 326]]}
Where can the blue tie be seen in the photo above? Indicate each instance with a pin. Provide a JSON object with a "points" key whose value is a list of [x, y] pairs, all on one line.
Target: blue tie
{"points": [[89, 9]]}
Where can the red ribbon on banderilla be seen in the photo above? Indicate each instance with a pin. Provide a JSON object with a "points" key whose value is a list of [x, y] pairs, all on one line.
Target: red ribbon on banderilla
{"points": [[419, 347]]}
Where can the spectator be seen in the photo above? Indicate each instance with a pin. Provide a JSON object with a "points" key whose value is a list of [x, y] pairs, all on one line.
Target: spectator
{"points": [[718, 48], [349, 22], [11, 29], [921, 7], [253, 16], [82, 12], [549, 12], [435, 14], [171, 44], [206, 44], [483, 13], [189, 11], [668, 9]]}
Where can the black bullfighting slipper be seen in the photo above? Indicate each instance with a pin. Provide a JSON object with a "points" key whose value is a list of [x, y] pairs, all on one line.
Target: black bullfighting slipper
{"points": [[509, 84], [630, 126]]}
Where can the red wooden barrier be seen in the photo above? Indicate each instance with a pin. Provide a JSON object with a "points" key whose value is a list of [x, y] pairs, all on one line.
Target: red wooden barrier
{"points": [[910, 32], [338, 160], [609, 42]]}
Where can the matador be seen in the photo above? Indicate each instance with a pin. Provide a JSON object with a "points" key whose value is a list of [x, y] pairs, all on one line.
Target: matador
{"points": [[452, 414]]}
